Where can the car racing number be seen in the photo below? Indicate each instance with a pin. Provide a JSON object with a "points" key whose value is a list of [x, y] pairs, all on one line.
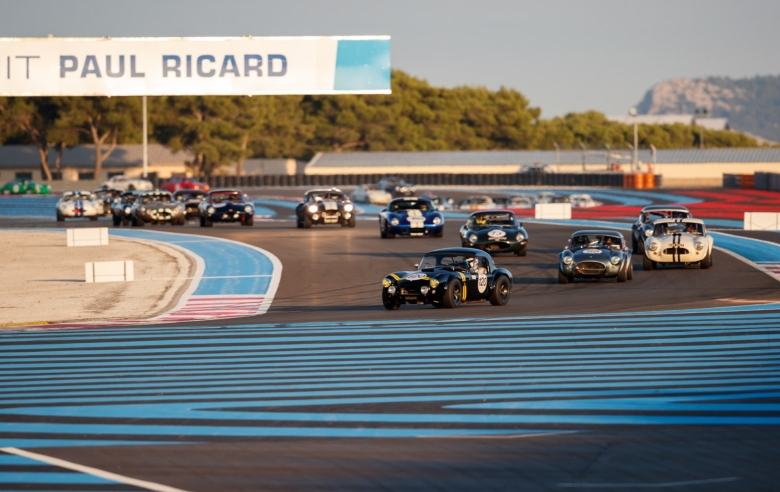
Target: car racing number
{"points": [[482, 282]]}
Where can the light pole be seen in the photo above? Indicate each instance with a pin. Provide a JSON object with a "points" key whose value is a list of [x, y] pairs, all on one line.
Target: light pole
{"points": [[703, 113], [145, 140], [635, 160]]}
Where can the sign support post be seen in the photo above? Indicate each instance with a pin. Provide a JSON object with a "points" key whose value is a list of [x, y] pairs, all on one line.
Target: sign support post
{"points": [[146, 139]]}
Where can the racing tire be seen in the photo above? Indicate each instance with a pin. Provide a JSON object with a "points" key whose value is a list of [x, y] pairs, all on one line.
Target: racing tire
{"points": [[93, 218], [6, 192], [299, 224], [634, 244], [382, 232], [306, 222], [28, 192], [563, 279], [706, 262], [137, 222], [388, 302], [439, 234], [501, 292], [209, 223], [352, 221], [202, 221], [630, 272], [60, 217], [249, 222], [622, 275], [453, 294], [647, 263], [522, 252]]}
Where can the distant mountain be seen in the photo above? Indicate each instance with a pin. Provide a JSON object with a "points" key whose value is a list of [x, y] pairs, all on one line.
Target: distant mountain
{"points": [[751, 105]]}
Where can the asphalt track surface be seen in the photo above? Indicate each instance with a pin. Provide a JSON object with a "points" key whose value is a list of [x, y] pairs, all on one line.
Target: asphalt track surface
{"points": [[724, 439]]}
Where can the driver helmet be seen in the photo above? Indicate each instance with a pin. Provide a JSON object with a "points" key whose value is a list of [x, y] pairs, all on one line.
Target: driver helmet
{"points": [[472, 264], [480, 220]]}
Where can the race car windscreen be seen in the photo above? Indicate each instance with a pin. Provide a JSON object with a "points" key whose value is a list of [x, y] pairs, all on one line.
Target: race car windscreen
{"points": [[156, 198], [446, 260], [339, 197], [665, 214], [405, 205], [233, 197], [480, 221], [596, 241], [76, 196], [678, 228]]}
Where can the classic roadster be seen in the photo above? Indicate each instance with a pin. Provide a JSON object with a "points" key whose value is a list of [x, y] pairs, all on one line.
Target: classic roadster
{"points": [[595, 255], [325, 207], [448, 278], [191, 200], [156, 207], [495, 231], [107, 196], [678, 242], [643, 227], [24, 186], [121, 210], [78, 204], [226, 206], [410, 217]]}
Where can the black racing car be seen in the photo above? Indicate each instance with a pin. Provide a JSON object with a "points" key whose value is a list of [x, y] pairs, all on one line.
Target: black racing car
{"points": [[226, 206], [396, 186], [595, 255], [449, 278], [191, 199], [108, 196], [121, 210], [327, 206], [495, 231], [643, 227]]}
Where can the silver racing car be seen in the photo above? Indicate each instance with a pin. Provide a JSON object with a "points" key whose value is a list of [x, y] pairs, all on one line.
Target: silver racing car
{"points": [[595, 255]]}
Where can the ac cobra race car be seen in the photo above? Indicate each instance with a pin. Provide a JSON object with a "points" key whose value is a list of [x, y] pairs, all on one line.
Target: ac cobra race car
{"points": [[448, 278], [78, 204], [226, 206], [643, 227], [679, 242], [121, 211], [595, 255], [495, 231], [410, 217], [331, 206]]}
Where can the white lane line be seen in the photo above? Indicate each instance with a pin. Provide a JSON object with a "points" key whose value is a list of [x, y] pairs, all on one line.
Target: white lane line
{"points": [[646, 485], [92, 471]]}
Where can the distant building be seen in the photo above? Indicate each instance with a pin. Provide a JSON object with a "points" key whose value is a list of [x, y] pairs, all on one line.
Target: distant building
{"points": [[671, 119]]}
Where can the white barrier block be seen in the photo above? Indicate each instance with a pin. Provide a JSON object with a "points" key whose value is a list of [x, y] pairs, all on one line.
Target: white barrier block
{"points": [[762, 221], [553, 211], [93, 236], [109, 271]]}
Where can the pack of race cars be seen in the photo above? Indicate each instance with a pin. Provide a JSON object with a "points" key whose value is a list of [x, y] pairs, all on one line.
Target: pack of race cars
{"points": [[663, 234]]}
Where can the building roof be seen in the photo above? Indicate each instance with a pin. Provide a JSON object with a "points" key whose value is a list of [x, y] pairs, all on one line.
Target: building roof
{"points": [[671, 119], [446, 159], [15, 156]]}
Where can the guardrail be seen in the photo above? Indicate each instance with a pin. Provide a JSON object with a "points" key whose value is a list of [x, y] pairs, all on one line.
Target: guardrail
{"points": [[613, 180], [739, 180]]}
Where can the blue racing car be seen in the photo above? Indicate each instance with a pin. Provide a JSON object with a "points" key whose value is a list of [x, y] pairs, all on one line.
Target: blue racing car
{"points": [[410, 217]]}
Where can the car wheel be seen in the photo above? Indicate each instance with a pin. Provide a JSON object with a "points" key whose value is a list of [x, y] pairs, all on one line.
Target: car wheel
{"points": [[209, 223], [640, 247], [382, 230], [306, 222], [706, 262], [137, 222], [125, 222], [60, 217], [500, 294], [6, 192], [622, 275], [299, 224], [647, 263], [563, 279], [249, 222], [522, 252], [633, 243], [453, 294], [439, 234], [352, 221], [630, 272], [202, 221], [93, 218], [388, 302]]}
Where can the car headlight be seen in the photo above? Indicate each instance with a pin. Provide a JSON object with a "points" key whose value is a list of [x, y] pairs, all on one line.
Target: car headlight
{"points": [[653, 246], [127, 210], [177, 209], [386, 283], [63, 206], [567, 260], [436, 221], [210, 210], [520, 236], [391, 289], [648, 232], [699, 246], [143, 209], [394, 221], [424, 290], [614, 260], [312, 208], [473, 238], [434, 283], [248, 209], [348, 207]]}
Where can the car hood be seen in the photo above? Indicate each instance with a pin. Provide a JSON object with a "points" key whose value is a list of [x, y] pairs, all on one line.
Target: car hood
{"points": [[593, 254], [495, 233], [228, 206]]}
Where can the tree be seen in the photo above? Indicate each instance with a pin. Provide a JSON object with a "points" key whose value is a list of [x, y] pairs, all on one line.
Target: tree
{"points": [[101, 121]]}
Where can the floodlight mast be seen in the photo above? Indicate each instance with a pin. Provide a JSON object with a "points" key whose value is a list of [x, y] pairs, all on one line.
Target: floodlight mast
{"points": [[635, 163], [146, 140]]}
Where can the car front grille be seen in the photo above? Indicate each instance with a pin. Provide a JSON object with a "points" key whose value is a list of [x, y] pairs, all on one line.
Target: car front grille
{"points": [[676, 251], [591, 268]]}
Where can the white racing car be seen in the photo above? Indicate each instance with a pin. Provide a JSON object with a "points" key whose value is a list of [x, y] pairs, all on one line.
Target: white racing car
{"points": [[371, 194], [78, 204], [123, 183], [679, 242]]}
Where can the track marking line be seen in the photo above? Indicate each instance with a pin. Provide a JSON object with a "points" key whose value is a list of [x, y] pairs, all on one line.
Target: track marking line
{"points": [[510, 436], [647, 485], [92, 471]]}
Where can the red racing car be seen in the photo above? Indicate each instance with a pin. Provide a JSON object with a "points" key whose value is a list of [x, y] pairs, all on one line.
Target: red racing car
{"points": [[175, 184]]}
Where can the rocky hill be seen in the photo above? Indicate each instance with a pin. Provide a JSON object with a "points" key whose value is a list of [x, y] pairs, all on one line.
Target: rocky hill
{"points": [[751, 105]]}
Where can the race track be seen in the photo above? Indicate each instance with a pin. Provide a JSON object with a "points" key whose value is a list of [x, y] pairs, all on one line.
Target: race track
{"points": [[668, 381]]}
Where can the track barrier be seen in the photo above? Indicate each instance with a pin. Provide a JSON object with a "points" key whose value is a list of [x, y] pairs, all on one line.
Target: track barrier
{"points": [[93, 236], [552, 211], [109, 271], [762, 221]]}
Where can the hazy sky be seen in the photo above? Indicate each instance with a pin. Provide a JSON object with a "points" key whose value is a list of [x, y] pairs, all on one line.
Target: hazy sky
{"points": [[564, 55]]}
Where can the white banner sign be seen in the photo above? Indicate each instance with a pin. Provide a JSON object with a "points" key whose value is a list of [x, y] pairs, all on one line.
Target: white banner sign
{"points": [[194, 66]]}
